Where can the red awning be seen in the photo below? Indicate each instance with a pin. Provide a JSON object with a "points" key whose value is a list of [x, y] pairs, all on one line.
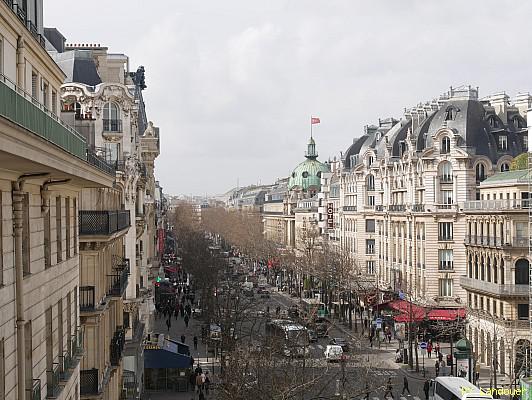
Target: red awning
{"points": [[170, 269], [416, 316], [406, 307], [440, 314]]}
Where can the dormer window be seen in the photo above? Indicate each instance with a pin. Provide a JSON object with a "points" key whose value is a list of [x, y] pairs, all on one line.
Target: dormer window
{"points": [[480, 171], [505, 167], [492, 120], [402, 148], [503, 143], [450, 114], [445, 145], [516, 122], [370, 160], [525, 142]]}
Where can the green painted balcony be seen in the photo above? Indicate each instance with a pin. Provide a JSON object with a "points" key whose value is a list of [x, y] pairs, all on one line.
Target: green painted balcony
{"points": [[20, 108]]}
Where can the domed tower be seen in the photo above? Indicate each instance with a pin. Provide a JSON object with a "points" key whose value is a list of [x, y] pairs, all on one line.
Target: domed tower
{"points": [[306, 177]]}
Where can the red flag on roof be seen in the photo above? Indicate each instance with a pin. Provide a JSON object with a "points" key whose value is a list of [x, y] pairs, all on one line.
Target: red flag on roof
{"points": [[314, 120]]}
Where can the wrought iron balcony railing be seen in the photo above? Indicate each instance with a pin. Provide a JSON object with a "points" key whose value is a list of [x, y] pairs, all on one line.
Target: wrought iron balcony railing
{"points": [[77, 342], [52, 381], [88, 381], [117, 346], [65, 363], [100, 163], [86, 298], [350, 208], [118, 282], [418, 207], [397, 208], [103, 222], [498, 205]]}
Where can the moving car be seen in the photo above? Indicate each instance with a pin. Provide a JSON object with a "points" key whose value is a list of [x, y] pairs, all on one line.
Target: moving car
{"points": [[340, 342], [333, 352], [263, 293]]}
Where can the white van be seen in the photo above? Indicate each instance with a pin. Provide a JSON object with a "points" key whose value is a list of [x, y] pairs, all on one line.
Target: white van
{"points": [[333, 352]]}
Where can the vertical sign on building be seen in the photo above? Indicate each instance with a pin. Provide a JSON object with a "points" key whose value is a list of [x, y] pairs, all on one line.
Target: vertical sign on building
{"points": [[161, 241], [330, 216]]}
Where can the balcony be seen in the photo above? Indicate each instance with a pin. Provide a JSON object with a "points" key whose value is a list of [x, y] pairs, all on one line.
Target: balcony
{"points": [[379, 208], [397, 208], [35, 392], [103, 223], [497, 205], [418, 208], [350, 208], [94, 160], [476, 285], [21, 12], [65, 365], [88, 381], [445, 266], [446, 178], [112, 125], [473, 240], [22, 109], [86, 298], [118, 282], [445, 238], [52, 381], [117, 346]]}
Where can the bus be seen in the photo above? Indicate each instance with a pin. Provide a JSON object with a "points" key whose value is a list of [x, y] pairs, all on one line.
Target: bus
{"points": [[454, 388], [312, 309], [293, 337]]}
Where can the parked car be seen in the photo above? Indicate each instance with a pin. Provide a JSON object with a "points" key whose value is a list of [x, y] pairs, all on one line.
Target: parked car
{"points": [[340, 342], [265, 294], [333, 352], [312, 336]]}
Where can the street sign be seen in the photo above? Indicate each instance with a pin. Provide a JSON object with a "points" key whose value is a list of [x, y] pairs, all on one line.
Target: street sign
{"points": [[423, 345]]}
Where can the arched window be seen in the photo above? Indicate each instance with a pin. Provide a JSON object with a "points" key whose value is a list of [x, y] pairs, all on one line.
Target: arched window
{"points": [[370, 182], [480, 171], [521, 272], [111, 118], [450, 114], [370, 161], [445, 145], [505, 167], [446, 171]]}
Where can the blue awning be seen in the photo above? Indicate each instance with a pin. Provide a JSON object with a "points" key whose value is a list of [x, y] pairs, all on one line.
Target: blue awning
{"points": [[165, 359]]}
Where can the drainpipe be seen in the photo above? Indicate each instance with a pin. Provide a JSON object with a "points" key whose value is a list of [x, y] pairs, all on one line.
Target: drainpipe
{"points": [[17, 195], [20, 63]]}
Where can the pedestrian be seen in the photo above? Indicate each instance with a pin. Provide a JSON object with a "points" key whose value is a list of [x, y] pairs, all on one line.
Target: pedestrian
{"points": [[195, 343], [267, 309], [426, 388], [389, 388], [367, 392], [405, 386], [389, 334], [182, 310], [176, 313], [429, 349], [199, 383], [186, 320], [437, 368], [207, 383], [182, 338], [437, 349], [168, 324], [201, 396]]}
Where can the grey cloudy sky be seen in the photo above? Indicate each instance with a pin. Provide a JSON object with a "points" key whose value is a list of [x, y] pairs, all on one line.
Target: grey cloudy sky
{"points": [[232, 83]]}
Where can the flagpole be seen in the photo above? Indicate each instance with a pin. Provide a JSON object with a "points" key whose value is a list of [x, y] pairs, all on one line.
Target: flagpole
{"points": [[311, 126]]}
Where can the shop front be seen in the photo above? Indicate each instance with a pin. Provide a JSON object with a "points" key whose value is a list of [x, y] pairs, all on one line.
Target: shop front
{"points": [[166, 370]]}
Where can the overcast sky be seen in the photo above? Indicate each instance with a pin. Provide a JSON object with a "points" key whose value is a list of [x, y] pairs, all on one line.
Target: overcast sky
{"points": [[232, 84]]}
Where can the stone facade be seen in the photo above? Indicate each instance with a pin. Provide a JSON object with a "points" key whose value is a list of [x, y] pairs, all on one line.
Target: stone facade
{"points": [[44, 172]]}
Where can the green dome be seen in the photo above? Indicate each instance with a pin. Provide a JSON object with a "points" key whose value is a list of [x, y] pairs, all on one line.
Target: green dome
{"points": [[308, 173]]}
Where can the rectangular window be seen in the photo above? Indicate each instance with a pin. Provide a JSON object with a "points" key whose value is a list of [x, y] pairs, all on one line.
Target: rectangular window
{"points": [[503, 143], [60, 327], [522, 311], [370, 267], [34, 83], [28, 354], [54, 102], [445, 230], [75, 213], [58, 229], [370, 246], [445, 257], [49, 340], [445, 287], [67, 226], [26, 236], [2, 56], [447, 197], [501, 309], [371, 201], [69, 322], [370, 225], [521, 230], [47, 241], [45, 93]]}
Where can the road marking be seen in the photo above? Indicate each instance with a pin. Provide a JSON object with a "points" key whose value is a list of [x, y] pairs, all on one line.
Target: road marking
{"points": [[320, 346]]}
